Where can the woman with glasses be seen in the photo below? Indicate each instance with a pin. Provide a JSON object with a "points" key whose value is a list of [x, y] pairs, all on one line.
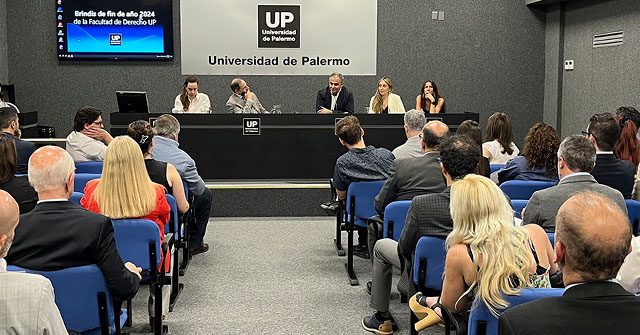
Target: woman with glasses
{"points": [[385, 101], [88, 141]]}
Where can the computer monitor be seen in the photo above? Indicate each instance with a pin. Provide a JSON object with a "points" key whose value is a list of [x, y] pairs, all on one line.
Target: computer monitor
{"points": [[132, 102]]}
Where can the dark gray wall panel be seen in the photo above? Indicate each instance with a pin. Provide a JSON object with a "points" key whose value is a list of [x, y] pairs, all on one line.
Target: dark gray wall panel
{"points": [[4, 66], [484, 57]]}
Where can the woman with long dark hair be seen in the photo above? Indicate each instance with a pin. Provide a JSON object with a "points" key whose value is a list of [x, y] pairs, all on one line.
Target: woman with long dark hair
{"points": [[190, 100], [17, 186], [499, 146], [472, 130], [429, 100]]}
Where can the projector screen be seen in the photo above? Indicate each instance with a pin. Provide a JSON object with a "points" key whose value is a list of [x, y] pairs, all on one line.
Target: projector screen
{"points": [[115, 29]]}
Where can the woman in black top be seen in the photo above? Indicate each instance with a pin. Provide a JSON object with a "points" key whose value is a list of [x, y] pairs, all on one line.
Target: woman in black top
{"points": [[162, 173], [17, 186], [429, 100]]}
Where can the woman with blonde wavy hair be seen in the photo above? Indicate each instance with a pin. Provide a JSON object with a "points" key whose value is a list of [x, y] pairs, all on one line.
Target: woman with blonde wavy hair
{"points": [[385, 101], [487, 256], [125, 191]]}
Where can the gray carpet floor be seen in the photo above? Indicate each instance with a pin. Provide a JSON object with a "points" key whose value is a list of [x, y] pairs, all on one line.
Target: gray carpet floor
{"points": [[271, 276]]}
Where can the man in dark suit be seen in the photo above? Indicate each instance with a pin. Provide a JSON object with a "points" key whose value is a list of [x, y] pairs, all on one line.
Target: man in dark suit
{"points": [[59, 234], [592, 239], [9, 125], [335, 98], [576, 157], [428, 216], [603, 131]]}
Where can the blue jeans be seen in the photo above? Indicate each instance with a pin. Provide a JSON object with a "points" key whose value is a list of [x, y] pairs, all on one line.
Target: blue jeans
{"points": [[202, 210]]}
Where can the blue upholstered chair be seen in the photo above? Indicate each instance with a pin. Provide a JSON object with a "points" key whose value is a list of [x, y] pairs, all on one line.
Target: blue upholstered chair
{"points": [[496, 167], [83, 299], [633, 210], [482, 322], [174, 228], [395, 215], [524, 189], [89, 167], [428, 267], [551, 237], [517, 206], [76, 197], [81, 180], [359, 208]]}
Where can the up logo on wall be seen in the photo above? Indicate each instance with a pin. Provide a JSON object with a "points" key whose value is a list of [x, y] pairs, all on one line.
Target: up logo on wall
{"points": [[278, 26]]}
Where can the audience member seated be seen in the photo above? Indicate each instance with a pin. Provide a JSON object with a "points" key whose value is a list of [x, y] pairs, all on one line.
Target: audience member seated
{"points": [[84, 143], [17, 186], [243, 100], [539, 157], [472, 130], [190, 100], [9, 125], [335, 98], [126, 192], [360, 163], [576, 157], [499, 147], [603, 131], [27, 301], [166, 130], [58, 234], [487, 256], [628, 146], [384, 101], [429, 101], [631, 113], [428, 215], [629, 274], [161, 173], [591, 242], [414, 121], [4, 103]]}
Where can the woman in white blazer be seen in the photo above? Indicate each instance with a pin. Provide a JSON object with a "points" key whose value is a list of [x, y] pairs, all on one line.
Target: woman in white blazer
{"points": [[385, 102]]}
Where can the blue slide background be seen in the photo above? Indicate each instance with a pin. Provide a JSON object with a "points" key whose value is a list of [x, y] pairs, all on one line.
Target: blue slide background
{"points": [[135, 39]]}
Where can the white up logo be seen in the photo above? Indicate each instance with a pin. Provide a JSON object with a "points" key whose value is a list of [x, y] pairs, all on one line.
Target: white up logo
{"points": [[281, 19]]}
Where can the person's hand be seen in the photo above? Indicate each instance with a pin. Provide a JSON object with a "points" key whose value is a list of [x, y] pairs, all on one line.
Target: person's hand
{"points": [[249, 95], [430, 97], [324, 111], [98, 134], [133, 268]]}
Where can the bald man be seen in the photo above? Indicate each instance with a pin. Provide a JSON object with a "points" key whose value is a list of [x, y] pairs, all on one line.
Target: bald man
{"points": [[592, 239], [18, 290], [243, 101], [74, 236]]}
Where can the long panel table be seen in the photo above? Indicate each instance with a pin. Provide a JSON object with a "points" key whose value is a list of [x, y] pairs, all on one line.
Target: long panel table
{"points": [[289, 146]]}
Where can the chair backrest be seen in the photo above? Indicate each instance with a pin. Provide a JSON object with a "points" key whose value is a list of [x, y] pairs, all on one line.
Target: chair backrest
{"points": [[551, 239], [428, 263], [633, 210], [81, 180], [395, 215], [174, 215], [524, 189], [518, 205], [76, 197], [186, 189], [81, 295], [132, 240], [364, 193], [89, 167], [481, 321], [496, 167]]}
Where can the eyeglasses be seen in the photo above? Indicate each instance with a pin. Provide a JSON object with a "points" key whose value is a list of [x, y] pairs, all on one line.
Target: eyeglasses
{"points": [[587, 134]]}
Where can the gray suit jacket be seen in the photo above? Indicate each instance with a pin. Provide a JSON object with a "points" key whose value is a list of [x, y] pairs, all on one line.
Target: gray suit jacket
{"points": [[409, 177], [544, 204], [237, 105]]}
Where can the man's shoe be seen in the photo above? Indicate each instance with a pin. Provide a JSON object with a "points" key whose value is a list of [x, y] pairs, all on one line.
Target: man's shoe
{"points": [[375, 325], [361, 251], [331, 207], [195, 251]]}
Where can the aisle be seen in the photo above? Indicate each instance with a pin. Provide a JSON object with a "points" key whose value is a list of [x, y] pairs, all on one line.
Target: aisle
{"points": [[271, 276]]}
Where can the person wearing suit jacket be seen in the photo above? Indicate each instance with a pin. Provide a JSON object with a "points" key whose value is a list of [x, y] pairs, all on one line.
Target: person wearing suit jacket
{"points": [[591, 241], [335, 98], [576, 157], [10, 126], [428, 216], [603, 131], [243, 101], [74, 236]]}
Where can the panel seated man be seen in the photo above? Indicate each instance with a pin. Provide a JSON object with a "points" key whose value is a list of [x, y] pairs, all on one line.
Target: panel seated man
{"points": [[243, 101], [335, 98]]}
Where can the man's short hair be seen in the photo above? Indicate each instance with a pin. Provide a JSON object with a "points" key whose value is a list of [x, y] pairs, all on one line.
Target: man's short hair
{"points": [[459, 156], [53, 176], [348, 130], [605, 129], [414, 120], [235, 84], [339, 75], [431, 139], [7, 115], [578, 153], [595, 233], [85, 115], [631, 113], [166, 125]]}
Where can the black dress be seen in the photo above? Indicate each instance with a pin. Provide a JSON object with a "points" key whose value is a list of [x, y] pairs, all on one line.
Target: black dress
{"points": [[158, 173], [22, 192]]}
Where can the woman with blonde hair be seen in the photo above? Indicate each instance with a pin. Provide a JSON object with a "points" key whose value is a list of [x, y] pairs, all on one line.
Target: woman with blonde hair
{"points": [[125, 191], [384, 101], [487, 256]]}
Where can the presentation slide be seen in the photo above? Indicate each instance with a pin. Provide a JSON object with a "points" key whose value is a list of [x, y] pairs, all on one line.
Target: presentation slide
{"points": [[117, 29]]}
